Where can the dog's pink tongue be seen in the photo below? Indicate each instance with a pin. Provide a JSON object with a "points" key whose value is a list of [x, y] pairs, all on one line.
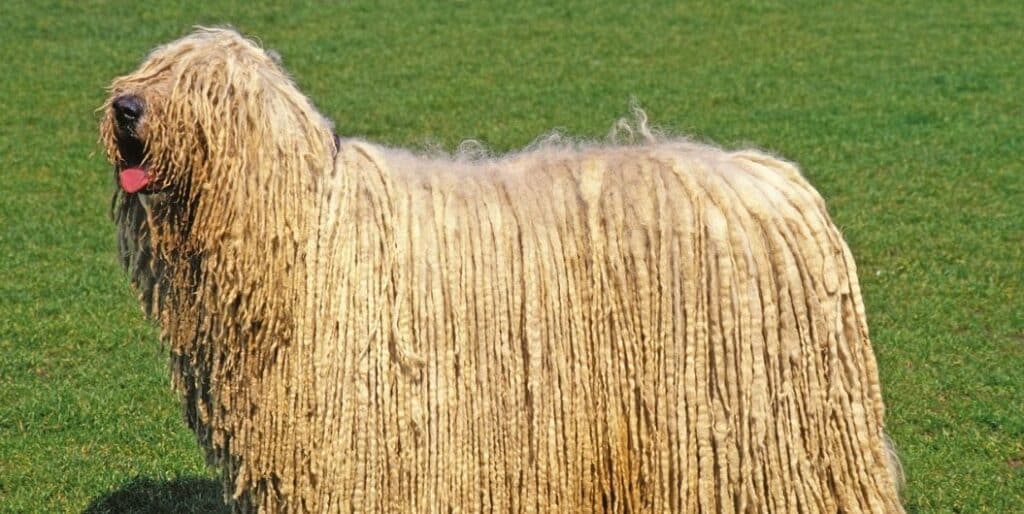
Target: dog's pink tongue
{"points": [[133, 179]]}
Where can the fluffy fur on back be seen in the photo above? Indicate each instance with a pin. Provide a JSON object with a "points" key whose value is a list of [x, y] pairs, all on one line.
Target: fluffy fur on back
{"points": [[662, 326]]}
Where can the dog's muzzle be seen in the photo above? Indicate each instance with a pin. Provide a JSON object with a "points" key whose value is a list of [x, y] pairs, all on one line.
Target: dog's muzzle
{"points": [[128, 111]]}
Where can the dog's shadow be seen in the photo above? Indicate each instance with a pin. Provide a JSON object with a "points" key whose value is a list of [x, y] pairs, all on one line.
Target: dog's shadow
{"points": [[147, 495]]}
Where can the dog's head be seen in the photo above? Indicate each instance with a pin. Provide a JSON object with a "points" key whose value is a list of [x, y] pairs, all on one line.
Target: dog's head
{"points": [[206, 138], [200, 109]]}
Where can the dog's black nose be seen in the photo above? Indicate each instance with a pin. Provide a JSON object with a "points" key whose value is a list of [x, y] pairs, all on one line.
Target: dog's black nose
{"points": [[127, 110]]}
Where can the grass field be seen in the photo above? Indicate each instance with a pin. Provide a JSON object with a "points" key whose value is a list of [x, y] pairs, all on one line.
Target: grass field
{"points": [[908, 117]]}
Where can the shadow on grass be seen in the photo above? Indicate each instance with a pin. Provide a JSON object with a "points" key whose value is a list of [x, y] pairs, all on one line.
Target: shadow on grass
{"points": [[146, 495]]}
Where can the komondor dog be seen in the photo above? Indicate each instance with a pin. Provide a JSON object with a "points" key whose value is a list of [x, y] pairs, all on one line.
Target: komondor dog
{"points": [[659, 326]]}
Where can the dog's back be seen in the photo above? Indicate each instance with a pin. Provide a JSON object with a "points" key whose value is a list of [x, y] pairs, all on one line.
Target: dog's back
{"points": [[657, 327]]}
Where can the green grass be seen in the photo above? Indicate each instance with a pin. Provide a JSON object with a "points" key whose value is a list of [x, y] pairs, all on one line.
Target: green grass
{"points": [[906, 115]]}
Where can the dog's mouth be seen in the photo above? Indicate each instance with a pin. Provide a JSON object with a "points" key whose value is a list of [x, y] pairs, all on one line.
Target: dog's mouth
{"points": [[133, 180], [132, 175]]}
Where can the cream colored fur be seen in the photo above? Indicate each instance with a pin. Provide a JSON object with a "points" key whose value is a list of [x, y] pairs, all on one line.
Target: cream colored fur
{"points": [[660, 326]]}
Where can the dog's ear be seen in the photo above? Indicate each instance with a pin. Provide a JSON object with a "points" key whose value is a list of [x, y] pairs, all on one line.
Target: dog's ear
{"points": [[274, 56]]}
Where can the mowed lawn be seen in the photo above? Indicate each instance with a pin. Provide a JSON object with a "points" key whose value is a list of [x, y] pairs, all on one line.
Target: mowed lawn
{"points": [[907, 116]]}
